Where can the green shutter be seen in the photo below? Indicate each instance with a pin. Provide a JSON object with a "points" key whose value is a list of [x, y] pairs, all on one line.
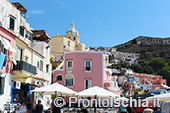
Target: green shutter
{"points": [[41, 65], [46, 69], [21, 31], [12, 23], [2, 85]]}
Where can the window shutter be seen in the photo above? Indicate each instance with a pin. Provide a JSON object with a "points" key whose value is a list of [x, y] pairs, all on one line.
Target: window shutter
{"points": [[66, 82], [72, 82], [2, 85]]}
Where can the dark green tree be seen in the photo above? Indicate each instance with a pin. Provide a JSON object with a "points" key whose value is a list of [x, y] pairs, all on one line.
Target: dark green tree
{"points": [[136, 68], [165, 72], [157, 63], [147, 69]]}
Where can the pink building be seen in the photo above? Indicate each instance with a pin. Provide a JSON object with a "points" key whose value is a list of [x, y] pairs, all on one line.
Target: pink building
{"points": [[110, 82], [156, 80], [80, 70], [7, 43]]}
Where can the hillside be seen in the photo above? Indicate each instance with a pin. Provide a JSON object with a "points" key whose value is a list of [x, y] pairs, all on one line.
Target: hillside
{"points": [[147, 52]]}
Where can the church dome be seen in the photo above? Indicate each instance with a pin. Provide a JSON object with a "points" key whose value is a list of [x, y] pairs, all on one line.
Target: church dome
{"points": [[72, 31]]}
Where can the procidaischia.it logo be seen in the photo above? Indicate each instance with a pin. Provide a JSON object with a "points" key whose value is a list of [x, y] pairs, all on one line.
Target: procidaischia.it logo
{"points": [[100, 102]]}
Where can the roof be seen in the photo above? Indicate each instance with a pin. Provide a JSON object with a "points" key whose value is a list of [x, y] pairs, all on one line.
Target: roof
{"points": [[19, 6], [40, 79], [37, 85], [41, 35]]}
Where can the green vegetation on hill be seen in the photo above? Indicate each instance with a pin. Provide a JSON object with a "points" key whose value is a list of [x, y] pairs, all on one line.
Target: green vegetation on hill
{"points": [[156, 66], [154, 59]]}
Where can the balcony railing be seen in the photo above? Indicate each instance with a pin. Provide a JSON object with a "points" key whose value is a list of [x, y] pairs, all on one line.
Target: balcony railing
{"points": [[21, 65]]}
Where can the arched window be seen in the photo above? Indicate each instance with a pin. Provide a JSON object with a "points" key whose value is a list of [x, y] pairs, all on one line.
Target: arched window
{"points": [[59, 78], [74, 38], [69, 80]]}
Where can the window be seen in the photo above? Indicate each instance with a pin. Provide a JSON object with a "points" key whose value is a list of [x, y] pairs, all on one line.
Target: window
{"points": [[41, 65], [69, 80], [28, 35], [1, 46], [26, 59], [59, 78], [21, 32], [47, 68], [2, 85], [74, 38], [2, 49], [69, 43], [69, 65], [88, 65], [19, 54], [11, 23], [38, 64], [54, 67], [87, 83]]}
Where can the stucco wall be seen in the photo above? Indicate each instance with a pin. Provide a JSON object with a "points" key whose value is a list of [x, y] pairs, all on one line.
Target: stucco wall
{"points": [[96, 75]]}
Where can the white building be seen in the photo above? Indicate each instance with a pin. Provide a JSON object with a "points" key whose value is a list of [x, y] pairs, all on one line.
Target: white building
{"points": [[13, 18], [129, 58], [34, 54], [42, 62]]}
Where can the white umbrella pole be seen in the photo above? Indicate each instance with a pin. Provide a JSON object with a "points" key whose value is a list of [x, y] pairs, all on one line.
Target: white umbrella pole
{"points": [[55, 94]]}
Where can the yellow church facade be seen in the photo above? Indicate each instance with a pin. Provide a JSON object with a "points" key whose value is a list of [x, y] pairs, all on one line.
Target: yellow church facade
{"points": [[66, 43]]}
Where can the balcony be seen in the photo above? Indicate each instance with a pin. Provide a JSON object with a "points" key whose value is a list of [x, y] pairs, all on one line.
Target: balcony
{"points": [[24, 66]]}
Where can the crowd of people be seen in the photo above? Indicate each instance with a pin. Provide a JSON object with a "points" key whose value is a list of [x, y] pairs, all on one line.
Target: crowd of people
{"points": [[38, 108]]}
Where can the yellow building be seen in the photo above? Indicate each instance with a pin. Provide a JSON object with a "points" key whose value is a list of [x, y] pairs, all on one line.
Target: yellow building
{"points": [[23, 71], [69, 42]]}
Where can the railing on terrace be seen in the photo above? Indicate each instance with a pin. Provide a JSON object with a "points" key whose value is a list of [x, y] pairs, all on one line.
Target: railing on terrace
{"points": [[21, 65]]}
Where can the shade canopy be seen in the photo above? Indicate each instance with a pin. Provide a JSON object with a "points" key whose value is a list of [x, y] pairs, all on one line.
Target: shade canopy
{"points": [[7, 44], [161, 97], [96, 91], [54, 89]]}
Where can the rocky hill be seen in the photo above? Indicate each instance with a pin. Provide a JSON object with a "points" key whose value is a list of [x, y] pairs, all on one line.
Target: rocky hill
{"points": [[147, 51]]}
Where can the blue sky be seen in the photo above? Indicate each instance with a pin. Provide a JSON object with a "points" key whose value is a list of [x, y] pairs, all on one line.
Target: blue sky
{"points": [[101, 22]]}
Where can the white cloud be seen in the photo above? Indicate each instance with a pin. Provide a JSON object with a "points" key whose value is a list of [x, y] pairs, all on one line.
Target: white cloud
{"points": [[38, 11]]}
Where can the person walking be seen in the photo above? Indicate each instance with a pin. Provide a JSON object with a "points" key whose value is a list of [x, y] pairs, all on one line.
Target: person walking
{"points": [[122, 109], [55, 109], [39, 107], [24, 108], [129, 109]]}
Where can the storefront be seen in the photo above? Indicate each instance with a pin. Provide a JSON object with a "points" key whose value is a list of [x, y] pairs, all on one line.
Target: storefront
{"points": [[20, 93]]}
